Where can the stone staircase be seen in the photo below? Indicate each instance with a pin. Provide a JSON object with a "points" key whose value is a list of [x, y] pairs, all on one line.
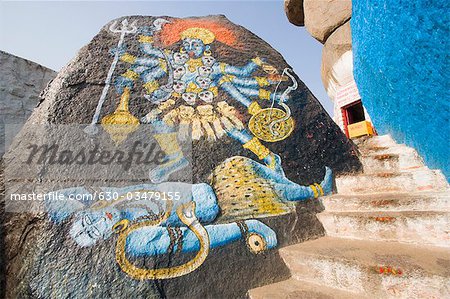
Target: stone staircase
{"points": [[387, 233]]}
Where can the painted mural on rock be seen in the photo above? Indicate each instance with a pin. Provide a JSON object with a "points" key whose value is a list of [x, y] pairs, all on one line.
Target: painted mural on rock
{"points": [[212, 82], [183, 86]]}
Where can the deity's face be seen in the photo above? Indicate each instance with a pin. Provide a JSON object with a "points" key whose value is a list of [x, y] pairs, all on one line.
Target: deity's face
{"points": [[90, 226], [194, 47]]}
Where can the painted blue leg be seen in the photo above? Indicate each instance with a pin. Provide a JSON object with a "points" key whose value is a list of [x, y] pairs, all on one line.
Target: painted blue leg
{"points": [[288, 189], [327, 183], [295, 192], [151, 241], [174, 160]]}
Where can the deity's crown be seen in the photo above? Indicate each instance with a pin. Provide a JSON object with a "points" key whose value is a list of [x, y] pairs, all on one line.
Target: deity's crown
{"points": [[203, 34]]}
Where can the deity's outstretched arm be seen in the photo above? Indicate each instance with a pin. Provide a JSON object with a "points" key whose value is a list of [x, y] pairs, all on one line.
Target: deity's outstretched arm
{"points": [[252, 82], [225, 84], [260, 93], [246, 70], [147, 48], [149, 73]]}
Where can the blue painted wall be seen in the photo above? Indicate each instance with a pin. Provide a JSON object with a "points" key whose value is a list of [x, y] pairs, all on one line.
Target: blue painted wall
{"points": [[401, 54]]}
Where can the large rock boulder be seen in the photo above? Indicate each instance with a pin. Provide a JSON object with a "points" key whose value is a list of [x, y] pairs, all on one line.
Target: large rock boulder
{"points": [[401, 68], [336, 74], [320, 17], [21, 82], [323, 17], [294, 11], [257, 139]]}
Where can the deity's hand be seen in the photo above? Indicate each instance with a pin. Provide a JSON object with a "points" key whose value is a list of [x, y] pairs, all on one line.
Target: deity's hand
{"points": [[275, 78], [158, 96], [258, 61], [269, 69]]}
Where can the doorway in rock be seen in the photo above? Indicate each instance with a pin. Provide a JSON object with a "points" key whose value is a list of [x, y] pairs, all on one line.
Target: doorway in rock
{"points": [[355, 122]]}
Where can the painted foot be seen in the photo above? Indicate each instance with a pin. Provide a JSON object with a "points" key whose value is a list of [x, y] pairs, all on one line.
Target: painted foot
{"points": [[162, 172], [327, 183]]}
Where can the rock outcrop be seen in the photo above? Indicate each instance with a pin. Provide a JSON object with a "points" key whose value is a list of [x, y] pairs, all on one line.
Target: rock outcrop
{"points": [[336, 70], [294, 12], [328, 21], [21, 82], [323, 17], [202, 81]]}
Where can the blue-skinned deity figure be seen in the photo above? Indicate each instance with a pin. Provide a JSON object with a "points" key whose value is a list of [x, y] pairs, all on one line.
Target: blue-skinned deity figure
{"points": [[186, 222], [187, 88]]}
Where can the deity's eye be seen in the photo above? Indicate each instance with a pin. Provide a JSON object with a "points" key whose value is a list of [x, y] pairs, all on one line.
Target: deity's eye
{"points": [[87, 219]]}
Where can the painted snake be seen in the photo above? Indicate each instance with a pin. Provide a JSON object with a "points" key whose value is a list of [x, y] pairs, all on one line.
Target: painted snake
{"points": [[186, 213]]}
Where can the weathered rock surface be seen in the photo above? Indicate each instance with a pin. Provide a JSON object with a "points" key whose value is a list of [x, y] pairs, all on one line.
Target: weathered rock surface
{"points": [[21, 82], [45, 260], [335, 47], [323, 17], [294, 11]]}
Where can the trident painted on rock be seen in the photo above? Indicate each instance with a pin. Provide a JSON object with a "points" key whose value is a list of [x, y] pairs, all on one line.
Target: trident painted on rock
{"points": [[92, 129]]}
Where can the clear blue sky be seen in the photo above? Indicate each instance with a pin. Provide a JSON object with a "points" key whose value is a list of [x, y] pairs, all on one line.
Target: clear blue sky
{"points": [[50, 33]]}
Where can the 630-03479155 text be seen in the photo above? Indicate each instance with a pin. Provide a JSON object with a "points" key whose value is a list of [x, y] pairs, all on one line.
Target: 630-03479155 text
{"points": [[102, 195]]}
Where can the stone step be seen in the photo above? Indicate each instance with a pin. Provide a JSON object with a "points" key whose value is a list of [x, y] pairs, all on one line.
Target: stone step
{"points": [[377, 269], [416, 227], [416, 201], [391, 149], [375, 142], [418, 180], [397, 159], [379, 163], [292, 289]]}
